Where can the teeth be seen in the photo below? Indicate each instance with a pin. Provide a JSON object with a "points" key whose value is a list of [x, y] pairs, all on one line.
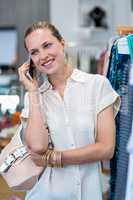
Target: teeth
{"points": [[49, 62]]}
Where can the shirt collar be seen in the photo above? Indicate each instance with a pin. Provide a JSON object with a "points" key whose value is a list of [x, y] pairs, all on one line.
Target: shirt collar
{"points": [[76, 75]]}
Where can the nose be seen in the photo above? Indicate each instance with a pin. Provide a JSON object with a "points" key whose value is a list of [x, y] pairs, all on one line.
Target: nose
{"points": [[43, 54]]}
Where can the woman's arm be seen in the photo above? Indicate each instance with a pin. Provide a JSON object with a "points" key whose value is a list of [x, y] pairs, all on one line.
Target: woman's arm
{"points": [[105, 142], [36, 133]]}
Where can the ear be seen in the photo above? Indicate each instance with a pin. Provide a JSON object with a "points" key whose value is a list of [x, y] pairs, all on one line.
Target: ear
{"points": [[63, 43]]}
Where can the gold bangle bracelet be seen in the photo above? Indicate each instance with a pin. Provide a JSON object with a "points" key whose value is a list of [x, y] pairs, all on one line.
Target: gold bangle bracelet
{"points": [[54, 159], [58, 159], [48, 158]]}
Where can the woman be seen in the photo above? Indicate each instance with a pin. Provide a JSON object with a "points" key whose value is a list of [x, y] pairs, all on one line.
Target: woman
{"points": [[79, 110]]}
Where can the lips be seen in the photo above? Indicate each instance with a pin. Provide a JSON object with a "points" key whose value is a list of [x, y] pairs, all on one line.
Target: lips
{"points": [[48, 63]]}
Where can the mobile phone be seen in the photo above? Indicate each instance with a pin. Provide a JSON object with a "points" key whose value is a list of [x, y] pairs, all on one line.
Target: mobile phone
{"points": [[31, 70]]}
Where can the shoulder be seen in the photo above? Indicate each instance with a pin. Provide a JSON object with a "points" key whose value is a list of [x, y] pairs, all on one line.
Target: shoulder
{"points": [[93, 82], [90, 80], [94, 79], [99, 79], [81, 75], [100, 83]]}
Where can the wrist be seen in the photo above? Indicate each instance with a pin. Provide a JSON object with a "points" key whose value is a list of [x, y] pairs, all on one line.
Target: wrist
{"points": [[33, 91], [54, 158], [34, 98]]}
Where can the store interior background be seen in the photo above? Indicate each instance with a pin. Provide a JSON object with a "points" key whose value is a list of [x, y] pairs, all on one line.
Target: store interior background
{"points": [[85, 40]]}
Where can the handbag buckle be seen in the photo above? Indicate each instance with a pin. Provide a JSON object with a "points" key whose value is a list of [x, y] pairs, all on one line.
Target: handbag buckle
{"points": [[20, 152], [7, 163], [11, 158]]}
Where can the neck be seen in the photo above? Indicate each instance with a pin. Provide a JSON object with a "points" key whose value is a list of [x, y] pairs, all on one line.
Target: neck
{"points": [[59, 79]]}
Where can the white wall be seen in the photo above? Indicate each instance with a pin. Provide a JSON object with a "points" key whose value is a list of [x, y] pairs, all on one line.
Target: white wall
{"points": [[122, 13], [64, 14], [88, 41]]}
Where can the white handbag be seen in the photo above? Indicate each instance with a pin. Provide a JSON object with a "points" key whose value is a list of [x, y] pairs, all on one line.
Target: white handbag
{"points": [[16, 165]]}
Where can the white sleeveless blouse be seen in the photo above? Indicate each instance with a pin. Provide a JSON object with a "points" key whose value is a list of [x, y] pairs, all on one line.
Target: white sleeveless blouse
{"points": [[72, 124]]}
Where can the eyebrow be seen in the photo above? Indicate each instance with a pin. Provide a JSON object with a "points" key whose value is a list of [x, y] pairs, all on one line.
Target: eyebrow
{"points": [[46, 42]]}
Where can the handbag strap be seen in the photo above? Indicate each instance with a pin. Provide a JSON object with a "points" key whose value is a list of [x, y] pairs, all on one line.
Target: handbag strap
{"points": [[12, 157], [50, 142]]}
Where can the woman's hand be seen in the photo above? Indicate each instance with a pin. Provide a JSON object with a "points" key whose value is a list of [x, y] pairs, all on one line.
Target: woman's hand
{"points": [[30, 85], [38, 159]]}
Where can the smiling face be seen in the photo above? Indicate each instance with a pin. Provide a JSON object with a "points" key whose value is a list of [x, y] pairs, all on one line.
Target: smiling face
{"points": [[46, 51]]}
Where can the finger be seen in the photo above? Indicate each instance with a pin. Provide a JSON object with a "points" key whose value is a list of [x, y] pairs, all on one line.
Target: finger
{"points": [[22, 69], [23, 75], [35, 155], [23, 66]]}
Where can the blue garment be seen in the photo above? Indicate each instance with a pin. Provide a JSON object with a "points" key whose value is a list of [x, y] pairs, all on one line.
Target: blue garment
{"points": [[124, 133], [118, 76], [129, 186], [111, 75], [130, 45]]}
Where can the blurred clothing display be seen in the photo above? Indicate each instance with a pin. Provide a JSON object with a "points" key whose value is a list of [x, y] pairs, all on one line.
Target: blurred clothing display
{"points": [[100, 63], [9, 123], [6, 120], [84, 58], [8, 132], [129, 186], [15, 119], [117, 68]]}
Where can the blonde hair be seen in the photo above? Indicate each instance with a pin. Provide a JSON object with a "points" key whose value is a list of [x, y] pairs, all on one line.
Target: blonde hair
{"points": [[43, 25]]}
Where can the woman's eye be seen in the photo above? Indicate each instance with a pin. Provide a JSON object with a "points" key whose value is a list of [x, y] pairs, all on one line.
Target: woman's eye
{"points": [[33, 52], [47, 45]]}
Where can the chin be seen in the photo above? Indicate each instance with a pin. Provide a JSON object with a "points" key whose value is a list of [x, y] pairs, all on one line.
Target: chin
{"points": [[51, 71]]}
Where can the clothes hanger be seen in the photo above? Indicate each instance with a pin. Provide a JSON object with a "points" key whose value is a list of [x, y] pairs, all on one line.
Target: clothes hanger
{"points": [[124, 30]]}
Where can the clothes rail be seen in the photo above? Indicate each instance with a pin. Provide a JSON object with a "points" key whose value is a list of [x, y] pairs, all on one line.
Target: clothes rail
{"points": [[124, 30]]}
